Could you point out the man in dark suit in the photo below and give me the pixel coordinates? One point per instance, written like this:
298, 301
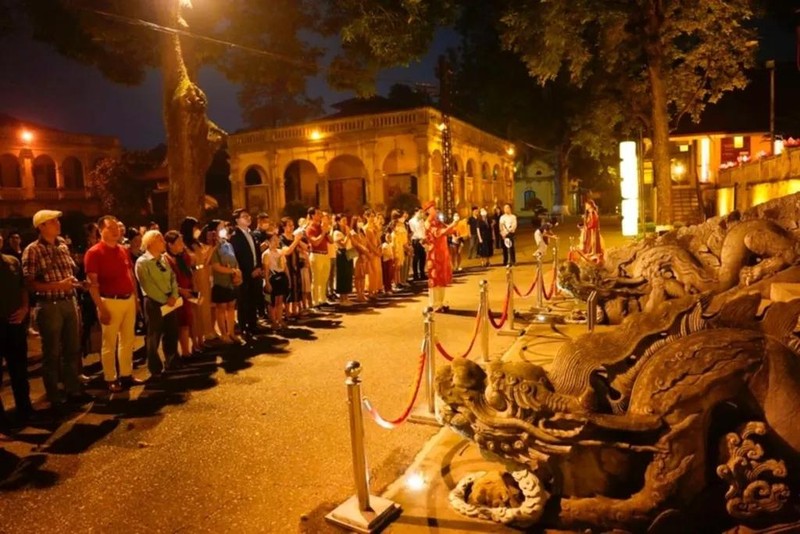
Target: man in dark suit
248, 256
260, 234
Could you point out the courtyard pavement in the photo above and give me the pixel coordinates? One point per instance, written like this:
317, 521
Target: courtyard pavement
256, 439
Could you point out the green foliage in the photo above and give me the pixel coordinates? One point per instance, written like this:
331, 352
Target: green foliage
403, 202
118, 187
295, 209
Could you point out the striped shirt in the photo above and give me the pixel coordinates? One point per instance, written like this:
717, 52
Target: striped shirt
49, 263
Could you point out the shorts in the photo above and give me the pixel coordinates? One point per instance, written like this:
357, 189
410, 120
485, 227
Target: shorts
222, 294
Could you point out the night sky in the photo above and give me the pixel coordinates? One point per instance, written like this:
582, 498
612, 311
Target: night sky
41, 86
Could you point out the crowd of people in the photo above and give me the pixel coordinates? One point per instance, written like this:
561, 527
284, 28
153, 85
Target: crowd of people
202, 287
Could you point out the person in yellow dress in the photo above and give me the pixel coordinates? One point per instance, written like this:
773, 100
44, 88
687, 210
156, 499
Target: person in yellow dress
400, 241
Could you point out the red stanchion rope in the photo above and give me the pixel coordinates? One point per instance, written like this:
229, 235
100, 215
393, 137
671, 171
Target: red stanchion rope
551, 294
533, 286
499, 325
393, 423
450, 358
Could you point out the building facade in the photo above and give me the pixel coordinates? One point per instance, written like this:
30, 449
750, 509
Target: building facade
345, 164
43, 168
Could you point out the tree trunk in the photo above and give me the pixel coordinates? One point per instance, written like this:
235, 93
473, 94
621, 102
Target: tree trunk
662, 175
192, 139
562, 191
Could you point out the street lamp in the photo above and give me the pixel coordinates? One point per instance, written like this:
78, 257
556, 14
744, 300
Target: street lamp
26, 136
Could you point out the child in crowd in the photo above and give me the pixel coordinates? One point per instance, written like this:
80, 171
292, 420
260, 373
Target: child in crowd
387, 262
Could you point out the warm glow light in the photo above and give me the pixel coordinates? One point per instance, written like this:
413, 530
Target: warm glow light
705, 159
777, 147
315, 135
678, 169
724, 201
441, 126
510, 151
629, 187
416, 482
26, 135
738, 141
684, 148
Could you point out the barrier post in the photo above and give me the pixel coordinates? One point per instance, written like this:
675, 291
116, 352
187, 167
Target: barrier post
362, 512
509, 329
591, 311
483, 316
539, 284
427, 414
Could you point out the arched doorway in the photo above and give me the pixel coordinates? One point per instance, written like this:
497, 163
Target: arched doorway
398, 169
73, 173
44, 172
347, 184
10, 174
257, 191
436, 174
301, 183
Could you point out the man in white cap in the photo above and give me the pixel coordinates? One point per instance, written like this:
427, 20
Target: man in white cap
49, 272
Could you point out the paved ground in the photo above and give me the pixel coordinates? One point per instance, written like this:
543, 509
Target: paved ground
253, 441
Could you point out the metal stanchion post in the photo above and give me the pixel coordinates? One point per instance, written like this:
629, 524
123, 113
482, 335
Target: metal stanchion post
539, 284
427, 414
509, 329
483, 316
591, 311
362, 512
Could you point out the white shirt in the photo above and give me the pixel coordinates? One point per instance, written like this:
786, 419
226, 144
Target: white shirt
417, 226
246, 232
508, 224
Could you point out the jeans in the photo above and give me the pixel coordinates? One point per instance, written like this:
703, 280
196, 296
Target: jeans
418, 263
160, 328
14, 350
509, 253
61, 347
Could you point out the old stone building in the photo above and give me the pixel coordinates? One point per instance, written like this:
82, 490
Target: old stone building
346, 163
44, 168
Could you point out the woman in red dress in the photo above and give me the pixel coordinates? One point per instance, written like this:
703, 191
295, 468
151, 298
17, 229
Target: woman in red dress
592, 242
437, 265
181, 264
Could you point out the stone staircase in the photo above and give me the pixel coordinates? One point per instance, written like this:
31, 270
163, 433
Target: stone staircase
685, 208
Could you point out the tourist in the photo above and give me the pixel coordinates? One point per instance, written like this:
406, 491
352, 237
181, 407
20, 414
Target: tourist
14, 336
372, 241
592, 241
497, 238
248, 259
539, 240
225, 290
260, 234
318, 237
13, 245
110, 275
160, 289
345, 254
456, 241
387, 262
361, 262
485, 238
288, 236
508, 230
417, 227
472, 223
276, 281
330, 222
203, 247
49, 272
401, 244
305, 266
439, 269
181, 264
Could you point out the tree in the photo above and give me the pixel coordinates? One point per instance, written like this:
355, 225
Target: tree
117, 185
124, 38
668, 58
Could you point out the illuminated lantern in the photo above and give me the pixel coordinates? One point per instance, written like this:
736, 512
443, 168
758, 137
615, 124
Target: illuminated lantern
629, 187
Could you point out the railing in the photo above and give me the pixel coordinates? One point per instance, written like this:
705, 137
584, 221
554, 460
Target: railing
43, 137
12, 193
424, 117
781, 167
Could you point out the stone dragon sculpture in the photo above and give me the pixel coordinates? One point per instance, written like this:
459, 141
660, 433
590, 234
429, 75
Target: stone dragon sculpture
720, 254
650, 418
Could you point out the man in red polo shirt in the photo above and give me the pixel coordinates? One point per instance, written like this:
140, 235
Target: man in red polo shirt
319, 237
110, 274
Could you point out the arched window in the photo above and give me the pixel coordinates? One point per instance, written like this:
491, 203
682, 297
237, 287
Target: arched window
254, 176
10, 175
73, 173
44, 172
